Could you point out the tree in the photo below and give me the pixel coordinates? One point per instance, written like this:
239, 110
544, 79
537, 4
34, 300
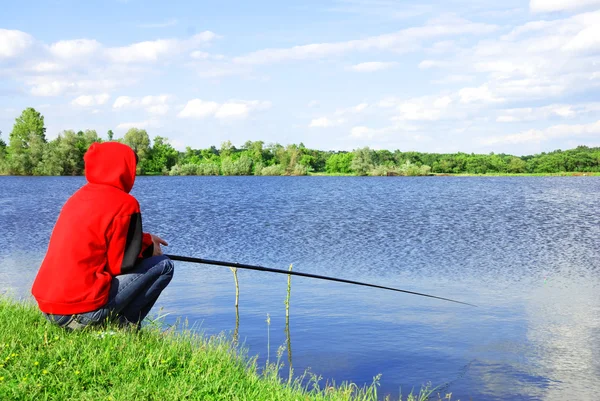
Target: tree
3, 166
339, 163
362, 162
227, 149
110, 135
139, 141
27, 140
162, 156
516, 165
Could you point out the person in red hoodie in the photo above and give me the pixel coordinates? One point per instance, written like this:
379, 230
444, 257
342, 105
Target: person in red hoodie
100, 265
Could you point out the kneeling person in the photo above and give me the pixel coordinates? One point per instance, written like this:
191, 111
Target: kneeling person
100, 265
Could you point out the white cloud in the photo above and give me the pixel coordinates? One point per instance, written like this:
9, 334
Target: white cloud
198, 108
547, 112
362, 132
402, 41
158, 105
540, 6
74, 49
479, 94
89, 100
586, 40
536, 60
426, 108
536, 135
324, 122
200, 55
359, 108
372, 66
51, 88
122, 101
152, 51
46, 66
13, 43
234, 109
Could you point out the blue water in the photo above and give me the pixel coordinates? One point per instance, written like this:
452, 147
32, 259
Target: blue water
525, 250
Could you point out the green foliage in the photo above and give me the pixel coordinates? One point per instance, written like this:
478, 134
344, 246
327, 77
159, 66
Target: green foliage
42, 361
161, 158
363, 161
110, 135
339, 163
242, 166
275, 169
138, 140
27, 140
28, 153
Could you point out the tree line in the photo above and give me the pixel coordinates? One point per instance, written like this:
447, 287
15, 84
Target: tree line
30, 153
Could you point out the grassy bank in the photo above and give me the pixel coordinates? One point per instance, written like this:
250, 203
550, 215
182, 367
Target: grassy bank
561, 174
39, 361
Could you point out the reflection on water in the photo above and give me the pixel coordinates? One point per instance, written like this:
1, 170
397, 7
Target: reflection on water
525, 250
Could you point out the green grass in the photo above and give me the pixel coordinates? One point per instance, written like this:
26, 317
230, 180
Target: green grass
561, 174
39, 361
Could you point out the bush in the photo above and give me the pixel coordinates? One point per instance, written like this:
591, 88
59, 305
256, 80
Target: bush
275, 169
299, 169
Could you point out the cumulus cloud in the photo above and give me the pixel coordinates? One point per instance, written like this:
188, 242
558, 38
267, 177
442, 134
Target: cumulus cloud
233, 109
90, 100
48, 85
564, 111
428, 108
541, 6
13, 43
362, 132
46, 66
324, 122
401, 41
478, 94
200, 55
553, 132
158, 105
372, 66
151, 51
537, 60
74, 49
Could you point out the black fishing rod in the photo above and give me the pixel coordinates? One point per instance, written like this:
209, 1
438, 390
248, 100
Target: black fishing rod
293, 273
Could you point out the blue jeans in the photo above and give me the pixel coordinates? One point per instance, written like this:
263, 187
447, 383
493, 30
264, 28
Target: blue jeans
130, 298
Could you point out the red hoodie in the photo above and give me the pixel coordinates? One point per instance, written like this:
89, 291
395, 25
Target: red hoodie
97, 236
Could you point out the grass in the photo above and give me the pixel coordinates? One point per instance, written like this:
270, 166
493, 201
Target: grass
561, 174
39, 361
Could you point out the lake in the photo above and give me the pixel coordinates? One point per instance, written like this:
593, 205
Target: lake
524, 249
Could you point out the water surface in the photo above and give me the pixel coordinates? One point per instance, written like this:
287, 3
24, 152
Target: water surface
525, 250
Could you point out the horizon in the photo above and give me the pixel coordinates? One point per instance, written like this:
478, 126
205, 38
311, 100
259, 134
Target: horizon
520, 78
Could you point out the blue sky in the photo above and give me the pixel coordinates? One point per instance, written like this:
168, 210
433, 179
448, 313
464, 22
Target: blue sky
519, 77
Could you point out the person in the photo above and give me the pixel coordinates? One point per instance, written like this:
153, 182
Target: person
100, 266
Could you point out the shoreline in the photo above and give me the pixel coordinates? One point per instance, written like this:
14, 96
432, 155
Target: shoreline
41, 361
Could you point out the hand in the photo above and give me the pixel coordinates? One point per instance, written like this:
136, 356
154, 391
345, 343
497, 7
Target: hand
157, 241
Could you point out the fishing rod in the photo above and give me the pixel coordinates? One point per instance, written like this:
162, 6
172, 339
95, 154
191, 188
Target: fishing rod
294, 273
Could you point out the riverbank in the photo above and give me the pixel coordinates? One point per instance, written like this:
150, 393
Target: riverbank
41, 361
563, 174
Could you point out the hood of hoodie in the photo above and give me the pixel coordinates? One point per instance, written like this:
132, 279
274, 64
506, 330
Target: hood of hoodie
110, 163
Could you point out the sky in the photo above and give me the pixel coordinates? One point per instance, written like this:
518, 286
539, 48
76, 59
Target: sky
517, 77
